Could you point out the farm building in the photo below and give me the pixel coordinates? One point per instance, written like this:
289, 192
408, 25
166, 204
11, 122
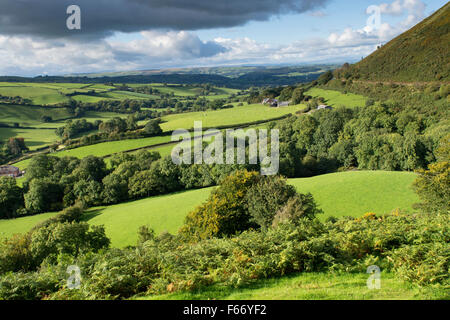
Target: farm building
324, 107
275, 103
271, 102
9, 171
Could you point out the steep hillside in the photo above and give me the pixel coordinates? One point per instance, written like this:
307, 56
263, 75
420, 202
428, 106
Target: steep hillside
418, 55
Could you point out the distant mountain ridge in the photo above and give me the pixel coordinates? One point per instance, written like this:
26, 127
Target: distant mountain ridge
226, 71
238, 77
420, 54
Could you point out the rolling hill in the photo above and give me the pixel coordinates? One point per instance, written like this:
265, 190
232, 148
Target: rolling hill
338, 194
421, 54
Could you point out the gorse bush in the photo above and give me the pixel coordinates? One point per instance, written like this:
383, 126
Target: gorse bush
224, 213
245, 200
266, 197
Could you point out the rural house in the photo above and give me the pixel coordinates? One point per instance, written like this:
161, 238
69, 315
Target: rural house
271, 102
324, 107
9, 171
275, 103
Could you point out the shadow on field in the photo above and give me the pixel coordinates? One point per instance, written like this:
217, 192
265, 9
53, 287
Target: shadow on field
91, 214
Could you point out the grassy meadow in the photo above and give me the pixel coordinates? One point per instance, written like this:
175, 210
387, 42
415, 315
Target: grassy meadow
355, 193
22, 225
313, 286
162, 213
337, 99
226, 117
34, 138
27, 116
338, 194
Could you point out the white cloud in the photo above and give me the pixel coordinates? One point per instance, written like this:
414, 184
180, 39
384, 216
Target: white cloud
413, 9
22, 55
27, 56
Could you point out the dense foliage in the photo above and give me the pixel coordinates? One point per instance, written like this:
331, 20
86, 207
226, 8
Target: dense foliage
53, 183
415, 247
376, 137
12, 148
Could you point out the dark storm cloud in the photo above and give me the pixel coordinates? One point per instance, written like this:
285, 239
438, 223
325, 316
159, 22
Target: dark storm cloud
100, 18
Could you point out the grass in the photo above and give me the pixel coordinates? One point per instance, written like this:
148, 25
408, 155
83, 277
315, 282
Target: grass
34, 138
358, 192
226, 117
38, 95
338, 194
338, 99
30, 116
163, 213
22, 225
314, 286
106, 148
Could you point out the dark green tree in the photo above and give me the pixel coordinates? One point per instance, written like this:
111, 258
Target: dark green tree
11, 198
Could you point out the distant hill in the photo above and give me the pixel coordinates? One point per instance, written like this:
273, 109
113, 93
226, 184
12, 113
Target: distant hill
227, 71
421, 54
232, 77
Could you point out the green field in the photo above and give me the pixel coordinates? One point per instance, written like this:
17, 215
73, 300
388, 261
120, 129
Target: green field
39, 95
226, 117
114, 95
358, 192
314, 286
105, 148
338, 99
163, 213
27, 116
187, 90
21, 225
54, 93
34, 138
338, 194
108, 148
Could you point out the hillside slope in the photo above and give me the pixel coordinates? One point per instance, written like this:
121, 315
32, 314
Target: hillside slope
420, 54
338, 194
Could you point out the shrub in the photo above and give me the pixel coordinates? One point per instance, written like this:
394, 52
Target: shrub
224, 213
66, 238
424, 264
266, 197
27, 286
120, 273
433, 188
301, 206
15, 254
70, 214
444, 91
153, 128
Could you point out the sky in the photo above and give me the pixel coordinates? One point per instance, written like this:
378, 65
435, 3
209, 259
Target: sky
125, 35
